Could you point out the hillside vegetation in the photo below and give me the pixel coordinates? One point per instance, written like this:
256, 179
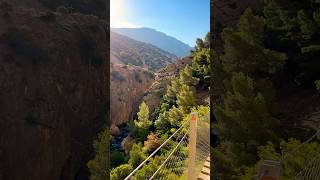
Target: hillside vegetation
148, 132
131, 52
265, 84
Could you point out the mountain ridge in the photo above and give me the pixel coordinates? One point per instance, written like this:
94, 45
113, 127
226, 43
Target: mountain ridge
125, 50
156, 38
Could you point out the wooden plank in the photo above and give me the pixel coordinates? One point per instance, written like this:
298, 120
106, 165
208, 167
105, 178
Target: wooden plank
203, 177
205, 170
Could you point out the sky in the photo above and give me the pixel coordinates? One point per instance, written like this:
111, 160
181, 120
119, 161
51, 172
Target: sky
185, 20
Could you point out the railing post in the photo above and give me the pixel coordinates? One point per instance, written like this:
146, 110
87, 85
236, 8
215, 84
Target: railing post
192, 146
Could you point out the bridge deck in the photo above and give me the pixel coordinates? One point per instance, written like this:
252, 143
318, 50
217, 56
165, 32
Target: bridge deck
205, 172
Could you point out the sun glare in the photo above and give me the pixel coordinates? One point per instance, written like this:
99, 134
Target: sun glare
119, 14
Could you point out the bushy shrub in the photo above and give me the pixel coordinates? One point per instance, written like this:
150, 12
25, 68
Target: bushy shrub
116, 158
121, 172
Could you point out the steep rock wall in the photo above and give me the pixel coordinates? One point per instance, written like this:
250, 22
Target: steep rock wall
53, 97
128, 86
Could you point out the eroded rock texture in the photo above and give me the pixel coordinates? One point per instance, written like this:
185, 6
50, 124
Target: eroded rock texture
53, 97
128, 85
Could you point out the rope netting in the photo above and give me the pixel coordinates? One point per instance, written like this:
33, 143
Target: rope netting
311, 171
170, 160
203, 143
174, 166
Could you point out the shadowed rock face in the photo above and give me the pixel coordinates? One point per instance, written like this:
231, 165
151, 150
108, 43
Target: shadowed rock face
53, 95
128, 86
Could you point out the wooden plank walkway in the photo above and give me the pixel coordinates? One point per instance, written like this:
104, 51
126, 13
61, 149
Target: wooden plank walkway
205, 172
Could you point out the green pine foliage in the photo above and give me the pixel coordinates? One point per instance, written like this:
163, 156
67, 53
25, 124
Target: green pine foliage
175, 108
143, 124
244, 50
185, 98
137, 155
292, 163
100, 164
262, 59
175, 116
244, 114
121, 172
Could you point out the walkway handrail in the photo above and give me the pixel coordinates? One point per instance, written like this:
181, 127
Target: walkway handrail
169, 155
154, 152
285, 156
311, 164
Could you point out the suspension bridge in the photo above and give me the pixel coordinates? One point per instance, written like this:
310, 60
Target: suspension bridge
185, 155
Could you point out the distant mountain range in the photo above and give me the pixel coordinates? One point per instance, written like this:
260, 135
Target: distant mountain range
124, 50
156, 38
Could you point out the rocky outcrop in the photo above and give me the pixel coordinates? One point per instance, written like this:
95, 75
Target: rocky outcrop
162, 78
127, 144
128, 86
53, 92
133, 64
114, 130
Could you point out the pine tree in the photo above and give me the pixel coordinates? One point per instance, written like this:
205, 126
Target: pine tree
172, 90
185, 98
186, 77
244, 51
244, 116
143, 124
175, 116
100, 164
199, 44
143, 116
162, 123
201, 66
207, 40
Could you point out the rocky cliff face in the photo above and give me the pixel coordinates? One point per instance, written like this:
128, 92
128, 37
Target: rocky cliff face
156, 91
53, 95
128, 86
133, 64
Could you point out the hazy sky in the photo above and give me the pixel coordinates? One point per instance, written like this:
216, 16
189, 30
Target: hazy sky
185, 20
